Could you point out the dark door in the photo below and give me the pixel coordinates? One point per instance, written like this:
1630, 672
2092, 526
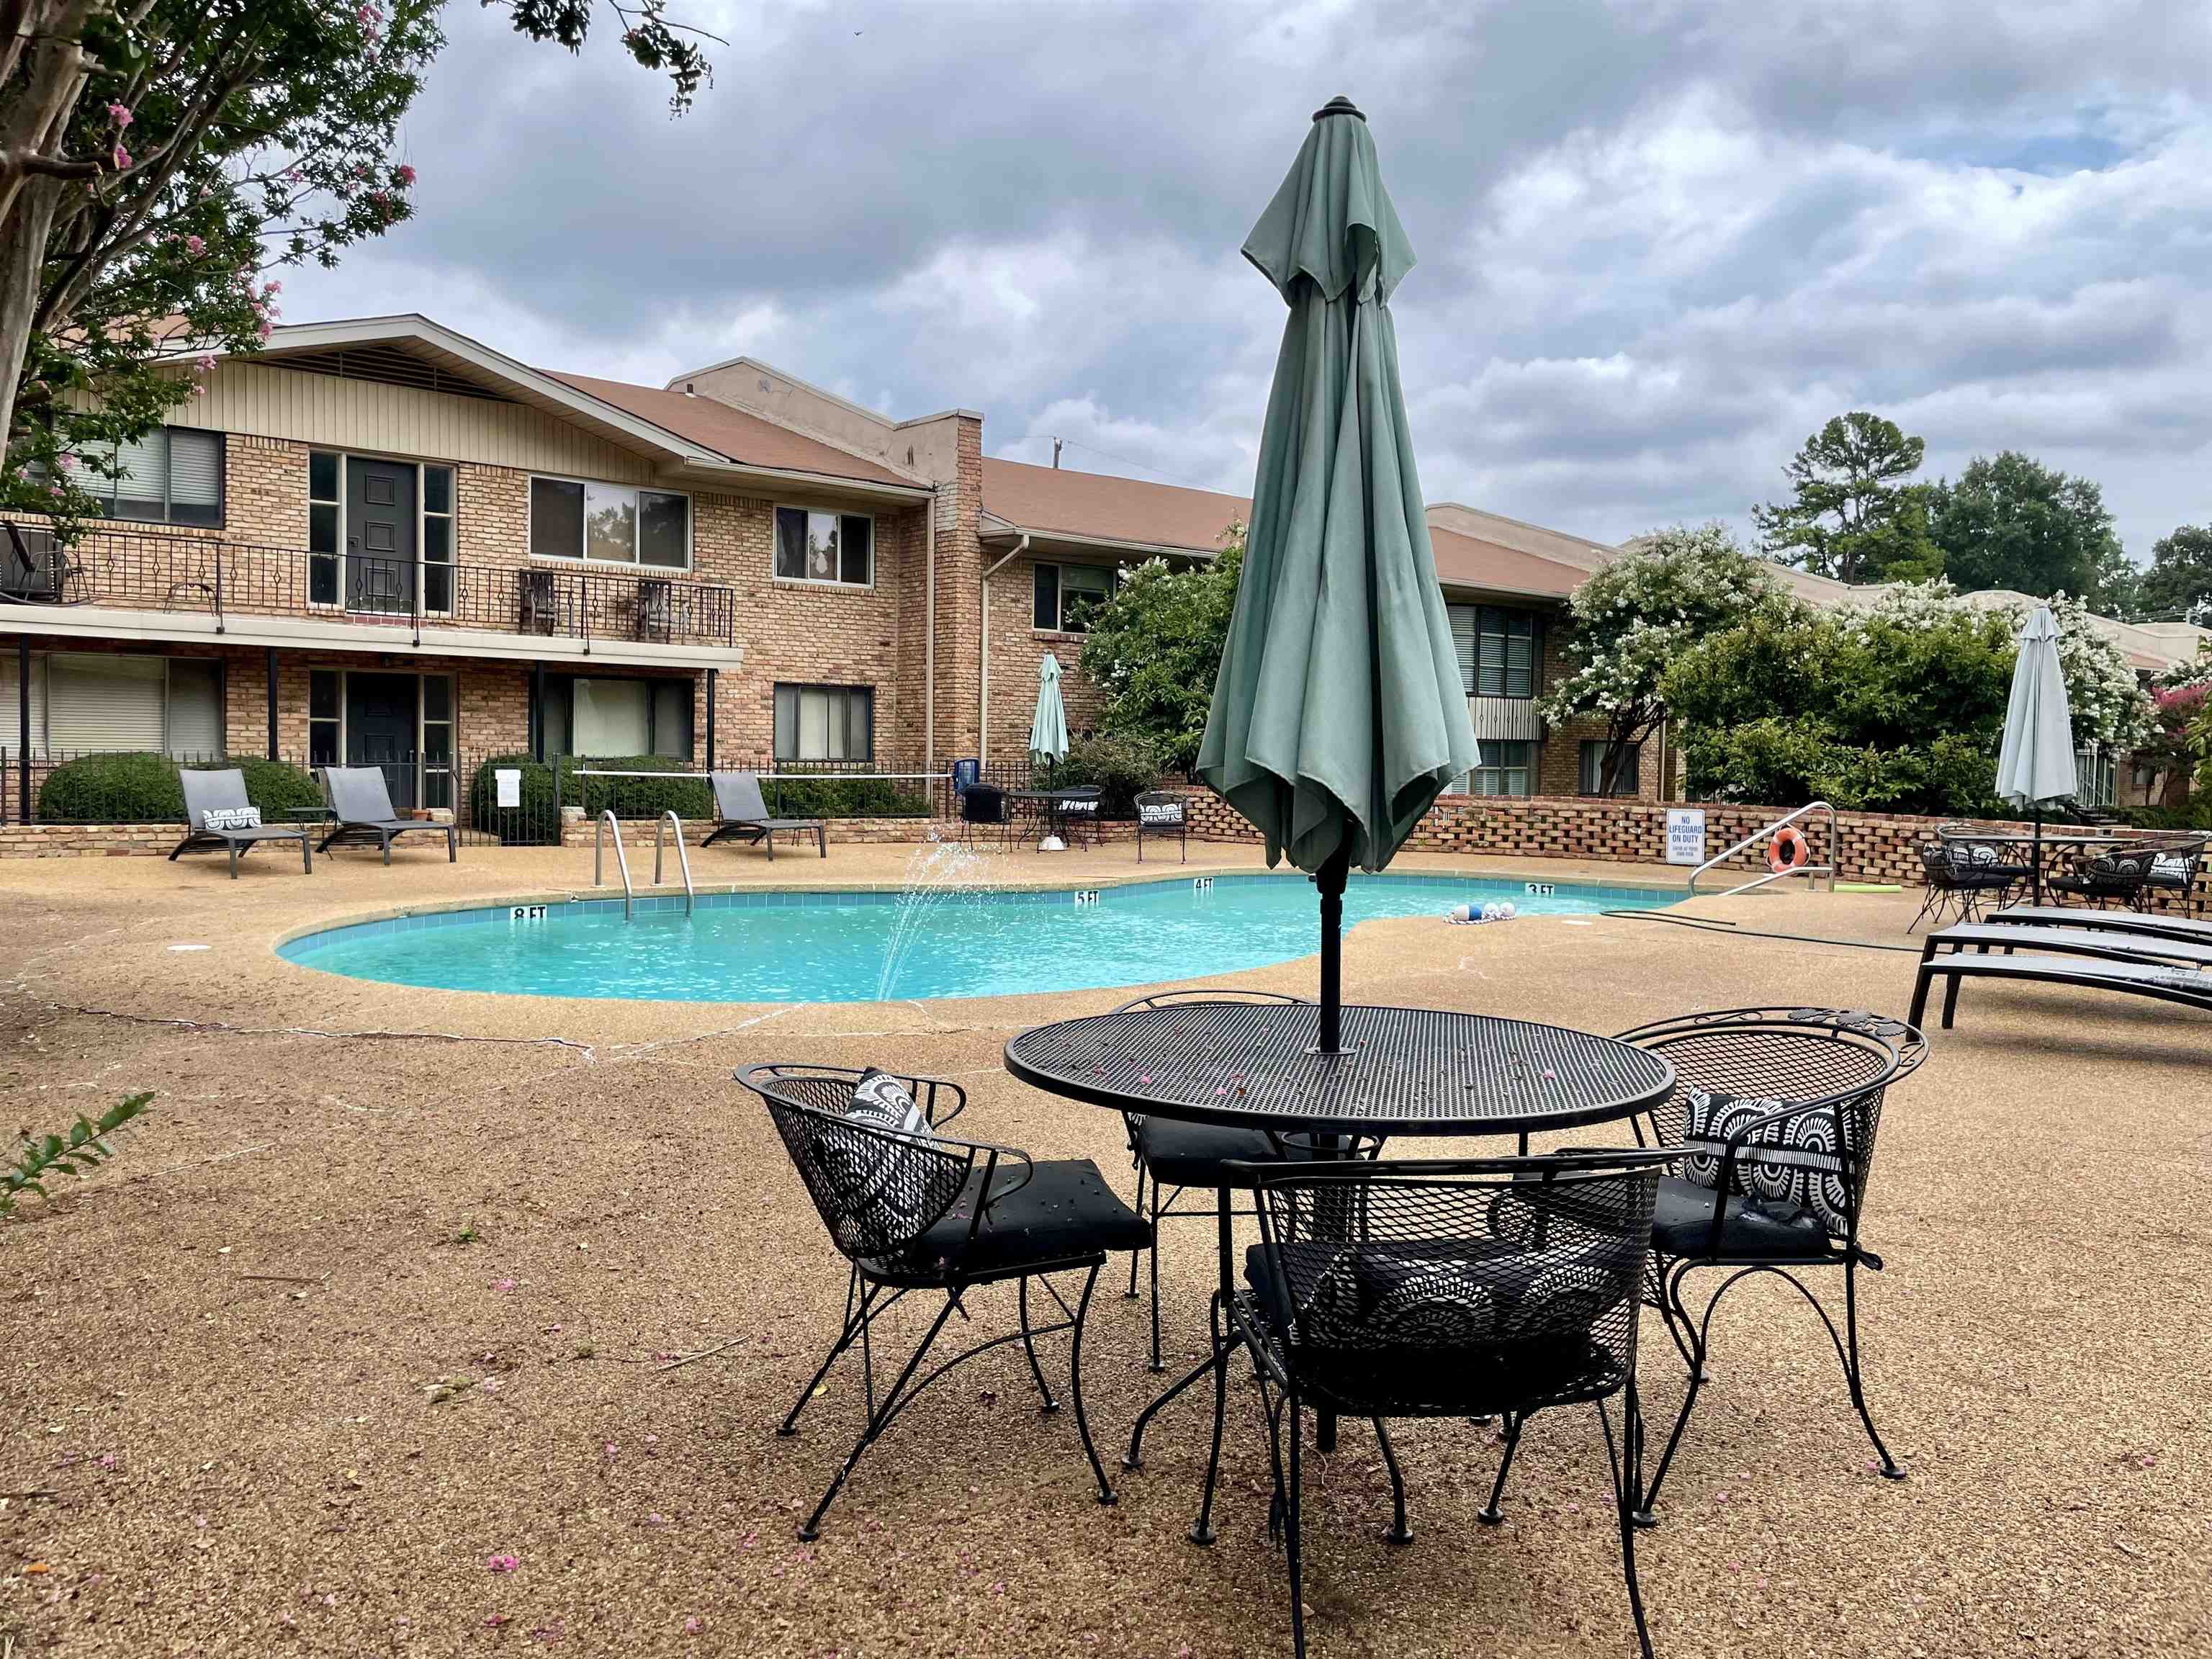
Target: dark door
379, 538
380, 712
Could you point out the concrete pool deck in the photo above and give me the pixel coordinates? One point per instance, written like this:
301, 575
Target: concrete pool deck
357, 1204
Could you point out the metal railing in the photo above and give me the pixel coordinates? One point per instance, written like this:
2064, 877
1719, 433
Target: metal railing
669, 820
1808, 870
227, 578
608, 825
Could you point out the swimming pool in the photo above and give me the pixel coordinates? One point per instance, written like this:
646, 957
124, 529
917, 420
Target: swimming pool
946, 941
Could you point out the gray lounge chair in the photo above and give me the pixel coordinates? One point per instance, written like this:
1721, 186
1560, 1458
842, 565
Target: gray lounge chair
225, 791
2155, 925
2188, 986
2064, 941
740, 813
362, 806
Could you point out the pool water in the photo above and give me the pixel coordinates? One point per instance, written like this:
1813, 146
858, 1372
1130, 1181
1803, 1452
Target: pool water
864, 946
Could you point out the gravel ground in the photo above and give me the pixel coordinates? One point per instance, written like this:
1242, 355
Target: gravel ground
356, 1312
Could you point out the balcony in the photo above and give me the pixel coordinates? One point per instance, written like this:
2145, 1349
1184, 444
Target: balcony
236, 580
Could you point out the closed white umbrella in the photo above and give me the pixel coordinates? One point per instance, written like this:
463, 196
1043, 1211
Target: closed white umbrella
2035, 764
1048, 725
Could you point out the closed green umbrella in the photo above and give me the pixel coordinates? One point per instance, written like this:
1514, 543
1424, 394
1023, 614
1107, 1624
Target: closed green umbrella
1338, 715
1048, 725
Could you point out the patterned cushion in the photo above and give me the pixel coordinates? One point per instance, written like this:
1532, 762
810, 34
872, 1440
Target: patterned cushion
1787, 1168
1162, 812
2175, 868
896, 1180
231, 818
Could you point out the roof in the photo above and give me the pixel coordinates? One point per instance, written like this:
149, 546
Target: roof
730, 432
1476, 561
1060, 504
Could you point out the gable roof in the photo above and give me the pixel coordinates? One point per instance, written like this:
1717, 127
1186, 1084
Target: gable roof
730, 432
1476, 561
1059, 504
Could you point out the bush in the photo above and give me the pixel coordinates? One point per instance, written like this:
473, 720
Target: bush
143, 788
1123, 768
842, 798
536, 823
2195, 814
690, 798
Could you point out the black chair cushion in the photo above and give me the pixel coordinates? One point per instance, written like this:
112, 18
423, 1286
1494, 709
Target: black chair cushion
1752, 1229
1192, 1154
1066, 1210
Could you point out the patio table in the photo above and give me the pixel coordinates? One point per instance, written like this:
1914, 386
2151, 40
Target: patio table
1041, 806
1408, 1072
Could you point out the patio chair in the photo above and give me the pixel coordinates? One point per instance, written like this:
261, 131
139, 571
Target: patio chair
1175, 1158
740, 813
360, 804
2155, 925
2099, 944
917, 1212
218, 816
1161, 813
1774, 1112
1076, 812
983, 805
1490, 1287
2173, 873
1964, 873
2114, 875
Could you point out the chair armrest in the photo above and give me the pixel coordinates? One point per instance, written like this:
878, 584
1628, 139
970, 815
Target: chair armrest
925, 1090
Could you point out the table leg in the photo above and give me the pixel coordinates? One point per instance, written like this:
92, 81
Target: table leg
1218, 1356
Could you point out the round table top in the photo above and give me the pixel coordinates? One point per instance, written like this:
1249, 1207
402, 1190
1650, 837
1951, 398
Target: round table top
1409, 1070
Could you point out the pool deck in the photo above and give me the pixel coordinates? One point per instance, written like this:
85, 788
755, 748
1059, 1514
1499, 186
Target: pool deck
353, 1195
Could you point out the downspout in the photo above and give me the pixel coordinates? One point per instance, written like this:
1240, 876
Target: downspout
984, 700
929, 645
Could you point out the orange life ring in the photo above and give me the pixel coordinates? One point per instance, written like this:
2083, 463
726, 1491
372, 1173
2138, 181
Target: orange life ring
1788, 851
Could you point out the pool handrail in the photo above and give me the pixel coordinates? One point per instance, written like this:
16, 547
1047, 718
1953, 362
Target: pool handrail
669, 820
1810, 871
607, 823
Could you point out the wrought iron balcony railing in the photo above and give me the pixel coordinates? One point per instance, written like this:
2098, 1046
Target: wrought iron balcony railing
236, 578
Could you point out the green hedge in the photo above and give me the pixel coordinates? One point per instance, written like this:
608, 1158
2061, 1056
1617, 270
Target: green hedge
2195, 814
143, 788
842, 797
537, 821
1122, 767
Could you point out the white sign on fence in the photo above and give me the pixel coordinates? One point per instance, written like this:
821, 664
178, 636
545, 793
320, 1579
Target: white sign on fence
508, 781
1686, 835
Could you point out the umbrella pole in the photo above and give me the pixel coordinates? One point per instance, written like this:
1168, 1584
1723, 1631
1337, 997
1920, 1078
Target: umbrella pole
1330, 879
2035, 853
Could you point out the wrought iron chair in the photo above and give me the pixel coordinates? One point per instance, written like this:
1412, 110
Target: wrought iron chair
1161, 813
1176, 1158
1965, 872
1773, 1113
984, 805
2173, 873
2114, 875
916, 1212
1488, 1287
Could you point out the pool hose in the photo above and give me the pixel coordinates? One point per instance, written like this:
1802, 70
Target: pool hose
1712, 925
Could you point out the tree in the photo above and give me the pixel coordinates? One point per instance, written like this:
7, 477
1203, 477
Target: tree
1632, 618
1154, 650
1853, 515
2012, 522
2178, 583
158, 157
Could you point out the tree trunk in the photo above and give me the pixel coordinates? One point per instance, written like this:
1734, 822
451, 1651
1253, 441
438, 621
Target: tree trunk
23, 257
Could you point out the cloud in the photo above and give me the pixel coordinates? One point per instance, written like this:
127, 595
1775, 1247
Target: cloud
1660, 243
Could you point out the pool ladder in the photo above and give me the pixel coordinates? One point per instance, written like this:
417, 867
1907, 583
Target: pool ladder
608, 825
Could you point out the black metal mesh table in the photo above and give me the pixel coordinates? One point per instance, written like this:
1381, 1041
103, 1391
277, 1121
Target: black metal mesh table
1410, 1071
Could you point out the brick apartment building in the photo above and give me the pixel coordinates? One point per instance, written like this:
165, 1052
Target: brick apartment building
380, 542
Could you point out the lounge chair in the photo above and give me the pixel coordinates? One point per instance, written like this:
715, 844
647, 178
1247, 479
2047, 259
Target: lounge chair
2063, 941
362, 807
2185, 986
741, 812
217, 815
2102, 921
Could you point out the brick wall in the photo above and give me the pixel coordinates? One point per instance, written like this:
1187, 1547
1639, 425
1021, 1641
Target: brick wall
1017, 647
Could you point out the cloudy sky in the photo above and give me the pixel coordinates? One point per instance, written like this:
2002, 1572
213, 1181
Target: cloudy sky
1660, 241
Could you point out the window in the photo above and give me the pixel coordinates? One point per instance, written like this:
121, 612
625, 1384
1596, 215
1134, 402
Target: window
438, 541
610, 524
1067, 594
1499, 649
325, 733
325, 518
173, 475
839, 548
610, 719
1592, 769
825, 723
437, 738
87, 702
1505, 768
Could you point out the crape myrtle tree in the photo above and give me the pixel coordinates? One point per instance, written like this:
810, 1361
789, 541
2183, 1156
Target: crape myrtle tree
1853, 514
1154, 650
1633, 617
159, 159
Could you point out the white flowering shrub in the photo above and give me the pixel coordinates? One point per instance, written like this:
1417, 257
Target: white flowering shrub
1633, 618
